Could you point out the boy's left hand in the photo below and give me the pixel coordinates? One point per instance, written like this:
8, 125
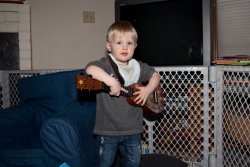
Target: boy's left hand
141, 95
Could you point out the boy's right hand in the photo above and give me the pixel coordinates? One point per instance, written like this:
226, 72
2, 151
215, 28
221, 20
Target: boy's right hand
99, 74
115, 88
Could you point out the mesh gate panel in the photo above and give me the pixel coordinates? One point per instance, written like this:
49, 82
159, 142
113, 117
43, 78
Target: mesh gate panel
2, 90
180, 132
13, 78
1, 97
8, 86
236, 118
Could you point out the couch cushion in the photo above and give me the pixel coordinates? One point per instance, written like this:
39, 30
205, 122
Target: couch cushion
52, 91
18, 128
69, 136
23, 158
55, 86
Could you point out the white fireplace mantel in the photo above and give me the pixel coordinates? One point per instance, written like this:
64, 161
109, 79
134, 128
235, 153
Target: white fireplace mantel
15, 18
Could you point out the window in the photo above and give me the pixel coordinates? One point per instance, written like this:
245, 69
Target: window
233, 28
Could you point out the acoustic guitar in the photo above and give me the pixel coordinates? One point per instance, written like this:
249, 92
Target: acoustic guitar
153, 105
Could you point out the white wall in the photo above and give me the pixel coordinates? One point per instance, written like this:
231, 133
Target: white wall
60, 39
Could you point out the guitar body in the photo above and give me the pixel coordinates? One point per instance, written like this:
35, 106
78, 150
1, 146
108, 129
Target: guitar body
153, 105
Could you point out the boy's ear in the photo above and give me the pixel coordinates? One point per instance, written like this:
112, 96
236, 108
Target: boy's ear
108, 46
135, 45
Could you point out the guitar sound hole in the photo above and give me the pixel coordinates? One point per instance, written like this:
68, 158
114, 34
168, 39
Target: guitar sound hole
130, 91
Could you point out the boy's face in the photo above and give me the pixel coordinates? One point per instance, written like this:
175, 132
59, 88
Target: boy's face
122, 46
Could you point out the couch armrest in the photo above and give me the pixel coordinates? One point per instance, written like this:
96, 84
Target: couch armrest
68, 136
18, 127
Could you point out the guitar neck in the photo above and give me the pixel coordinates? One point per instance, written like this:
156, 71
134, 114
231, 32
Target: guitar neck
88, 83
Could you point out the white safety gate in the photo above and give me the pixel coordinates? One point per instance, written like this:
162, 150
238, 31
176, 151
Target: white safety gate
233, 142
186, 128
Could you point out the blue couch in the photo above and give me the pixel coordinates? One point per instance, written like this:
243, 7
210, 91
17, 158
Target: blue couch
51, 125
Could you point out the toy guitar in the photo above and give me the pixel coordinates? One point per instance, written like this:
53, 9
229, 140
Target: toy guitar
154, 103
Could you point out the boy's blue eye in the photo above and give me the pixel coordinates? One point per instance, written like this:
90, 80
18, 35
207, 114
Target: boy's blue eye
128, 43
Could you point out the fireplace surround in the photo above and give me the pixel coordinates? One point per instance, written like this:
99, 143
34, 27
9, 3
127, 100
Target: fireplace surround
15, 18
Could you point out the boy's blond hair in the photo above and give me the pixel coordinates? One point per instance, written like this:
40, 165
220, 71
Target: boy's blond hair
121, 27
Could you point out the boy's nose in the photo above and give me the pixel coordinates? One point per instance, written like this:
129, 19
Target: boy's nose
125, 46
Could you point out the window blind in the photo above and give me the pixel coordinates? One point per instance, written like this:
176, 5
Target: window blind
233, 20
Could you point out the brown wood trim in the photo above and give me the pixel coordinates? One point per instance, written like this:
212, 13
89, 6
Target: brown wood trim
214, 31
12, 1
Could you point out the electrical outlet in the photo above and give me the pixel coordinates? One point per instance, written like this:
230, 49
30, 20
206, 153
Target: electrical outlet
88, 16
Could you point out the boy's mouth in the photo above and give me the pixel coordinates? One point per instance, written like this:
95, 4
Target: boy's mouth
124, 53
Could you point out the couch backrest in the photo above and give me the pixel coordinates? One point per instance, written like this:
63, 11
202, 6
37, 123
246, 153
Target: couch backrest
53, 91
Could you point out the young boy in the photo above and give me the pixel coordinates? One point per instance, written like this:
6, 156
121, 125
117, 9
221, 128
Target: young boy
118, 124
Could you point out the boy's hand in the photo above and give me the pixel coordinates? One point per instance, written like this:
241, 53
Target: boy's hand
115, 88
141, 94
